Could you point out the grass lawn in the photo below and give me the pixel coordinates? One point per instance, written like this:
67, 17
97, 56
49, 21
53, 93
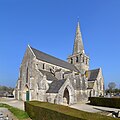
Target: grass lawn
20, 114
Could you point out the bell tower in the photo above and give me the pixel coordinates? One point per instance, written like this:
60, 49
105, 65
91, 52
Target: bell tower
78, 57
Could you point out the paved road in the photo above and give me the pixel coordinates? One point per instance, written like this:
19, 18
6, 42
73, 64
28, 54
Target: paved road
91, 108
13, 102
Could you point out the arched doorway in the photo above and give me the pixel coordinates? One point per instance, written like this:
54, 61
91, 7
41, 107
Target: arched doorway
26, 93
66, 98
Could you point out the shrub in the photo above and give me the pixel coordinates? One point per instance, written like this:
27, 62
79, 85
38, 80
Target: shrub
106, 102
48, 111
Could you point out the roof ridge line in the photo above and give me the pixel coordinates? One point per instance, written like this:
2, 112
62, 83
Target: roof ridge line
31, 50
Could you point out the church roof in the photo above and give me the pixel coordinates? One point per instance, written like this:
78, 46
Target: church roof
93, 74
49, 75
53, 60
55, 86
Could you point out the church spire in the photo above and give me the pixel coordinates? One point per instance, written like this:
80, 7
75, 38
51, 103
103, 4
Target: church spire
78, 44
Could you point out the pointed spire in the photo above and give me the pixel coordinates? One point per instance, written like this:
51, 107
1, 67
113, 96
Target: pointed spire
78, 44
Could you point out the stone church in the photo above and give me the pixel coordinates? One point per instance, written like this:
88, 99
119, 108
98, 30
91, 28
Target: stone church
46, 78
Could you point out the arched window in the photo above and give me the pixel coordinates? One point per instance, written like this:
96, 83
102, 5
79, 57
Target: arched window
83, 59
86, 61
43, 65
63, 76
27, 75
71, 61
50, 70
77, 59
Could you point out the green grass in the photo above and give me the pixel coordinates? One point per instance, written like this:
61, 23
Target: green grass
20, 114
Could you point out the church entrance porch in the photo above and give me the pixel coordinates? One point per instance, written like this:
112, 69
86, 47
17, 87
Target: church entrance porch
66, 94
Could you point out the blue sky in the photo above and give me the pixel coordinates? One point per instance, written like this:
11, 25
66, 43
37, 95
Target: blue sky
50, 25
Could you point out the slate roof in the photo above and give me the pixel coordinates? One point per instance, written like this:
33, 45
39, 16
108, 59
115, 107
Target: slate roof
53, 60
55, 86
92, 74
49, 75
67, 72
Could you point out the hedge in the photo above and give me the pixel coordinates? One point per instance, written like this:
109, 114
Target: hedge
48, 111
106, 102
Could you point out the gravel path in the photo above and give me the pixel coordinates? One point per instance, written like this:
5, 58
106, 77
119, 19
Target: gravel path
6, 112
13, 102
93, 109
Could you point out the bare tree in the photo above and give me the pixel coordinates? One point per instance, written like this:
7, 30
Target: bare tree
111, 86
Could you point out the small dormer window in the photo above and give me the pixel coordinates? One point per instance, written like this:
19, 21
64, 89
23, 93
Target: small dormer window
77, 59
